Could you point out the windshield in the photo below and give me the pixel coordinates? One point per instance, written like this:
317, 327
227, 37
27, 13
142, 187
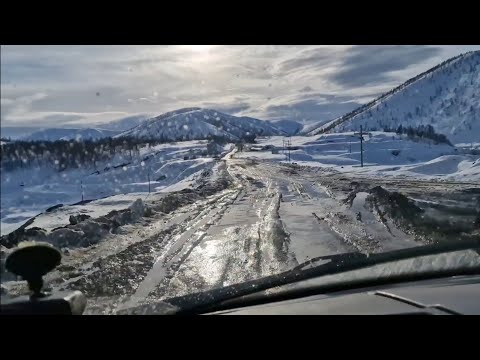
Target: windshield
164, 171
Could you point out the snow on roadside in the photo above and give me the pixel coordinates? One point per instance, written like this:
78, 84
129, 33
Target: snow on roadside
60, 217
385, 154
29, 192
82, 225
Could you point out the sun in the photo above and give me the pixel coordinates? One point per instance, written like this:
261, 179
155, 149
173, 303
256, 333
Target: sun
199, 48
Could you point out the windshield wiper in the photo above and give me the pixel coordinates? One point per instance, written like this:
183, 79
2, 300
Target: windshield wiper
198, 302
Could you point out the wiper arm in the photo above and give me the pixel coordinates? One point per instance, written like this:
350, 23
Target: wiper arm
196, 303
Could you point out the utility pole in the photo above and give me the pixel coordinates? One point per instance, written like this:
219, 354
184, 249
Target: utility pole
149, 179
289, 146
360, 135
81, 183
361, 146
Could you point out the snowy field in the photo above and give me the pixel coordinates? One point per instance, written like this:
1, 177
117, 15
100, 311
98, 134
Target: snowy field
175, 166
385, 155
246, 216
170, 167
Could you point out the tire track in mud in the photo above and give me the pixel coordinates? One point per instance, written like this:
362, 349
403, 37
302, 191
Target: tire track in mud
269, 253
165, 288
199, 217
116, 276
361, 240
245, 249
366, 227
373, 233
179, 248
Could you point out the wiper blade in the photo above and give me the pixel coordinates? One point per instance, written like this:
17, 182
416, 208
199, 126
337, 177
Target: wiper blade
335, 258
198, 302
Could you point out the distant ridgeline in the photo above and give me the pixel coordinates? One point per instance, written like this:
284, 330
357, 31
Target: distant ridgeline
65, 154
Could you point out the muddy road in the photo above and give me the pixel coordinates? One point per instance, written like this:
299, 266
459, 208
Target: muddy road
262, 219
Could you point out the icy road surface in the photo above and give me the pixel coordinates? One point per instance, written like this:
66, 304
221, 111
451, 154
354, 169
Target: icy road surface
268, 219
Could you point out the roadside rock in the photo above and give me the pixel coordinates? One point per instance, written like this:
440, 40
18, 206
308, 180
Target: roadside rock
11, 240
75, 219
50, 209
65, 237
137, 208
35, 233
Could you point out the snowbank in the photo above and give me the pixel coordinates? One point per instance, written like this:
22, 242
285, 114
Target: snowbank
44, 187
384, 154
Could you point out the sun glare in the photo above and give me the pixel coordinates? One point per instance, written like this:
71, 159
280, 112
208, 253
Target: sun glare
199, 48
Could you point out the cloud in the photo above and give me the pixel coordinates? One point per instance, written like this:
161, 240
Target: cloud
38, 82
308, 110
6, 101
305, 107
232, 109
61, 119
365, 64
306, 89
310, 58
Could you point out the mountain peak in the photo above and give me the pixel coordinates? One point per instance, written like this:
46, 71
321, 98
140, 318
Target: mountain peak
196, 123
447, 97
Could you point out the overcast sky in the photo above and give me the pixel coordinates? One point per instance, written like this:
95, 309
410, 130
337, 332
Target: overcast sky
70, 86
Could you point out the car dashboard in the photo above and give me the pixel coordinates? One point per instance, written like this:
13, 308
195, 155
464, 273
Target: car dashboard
449, 296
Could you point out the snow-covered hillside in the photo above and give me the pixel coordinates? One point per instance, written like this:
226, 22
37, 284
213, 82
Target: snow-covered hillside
385, 155
312, 129
54, 134
124, 124
290, 127
446, 97
196, 123
30, 190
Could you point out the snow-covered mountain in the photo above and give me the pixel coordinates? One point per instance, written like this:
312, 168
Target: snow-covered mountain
197, 123
447, 97
54, 134
290, 127
312, 128
126, 123
17, 132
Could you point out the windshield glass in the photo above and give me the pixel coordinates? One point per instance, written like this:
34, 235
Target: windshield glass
162, 171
